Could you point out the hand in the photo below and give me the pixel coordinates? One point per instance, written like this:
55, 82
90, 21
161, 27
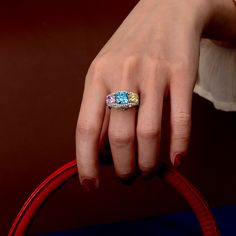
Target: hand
154, 53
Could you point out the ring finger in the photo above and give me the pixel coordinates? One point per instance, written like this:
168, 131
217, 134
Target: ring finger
121, 134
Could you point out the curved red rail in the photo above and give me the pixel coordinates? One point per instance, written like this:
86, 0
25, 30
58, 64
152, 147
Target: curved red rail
66, 172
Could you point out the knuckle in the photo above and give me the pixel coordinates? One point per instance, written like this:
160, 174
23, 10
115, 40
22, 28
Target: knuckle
98, 67
119, 138
182, 119
180, 138
131, 60
180, 68
129, 64
85, 130
181, 126
98, 63
148, 133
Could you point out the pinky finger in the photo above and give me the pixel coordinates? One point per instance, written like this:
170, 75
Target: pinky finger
181, 103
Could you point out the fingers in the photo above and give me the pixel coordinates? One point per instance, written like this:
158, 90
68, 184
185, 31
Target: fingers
181, 100
149, 126
121, 134
122, 124
103, 136
88, 131
95, 120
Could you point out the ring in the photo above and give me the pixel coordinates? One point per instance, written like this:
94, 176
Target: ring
122, 100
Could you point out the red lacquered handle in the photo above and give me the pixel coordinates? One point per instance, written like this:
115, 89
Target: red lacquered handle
66, 172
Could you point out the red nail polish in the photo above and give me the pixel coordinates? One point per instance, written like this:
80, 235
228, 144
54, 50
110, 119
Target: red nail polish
147, 175
89, 185
178, 159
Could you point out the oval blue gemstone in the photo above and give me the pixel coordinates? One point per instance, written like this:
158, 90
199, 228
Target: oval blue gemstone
122, 97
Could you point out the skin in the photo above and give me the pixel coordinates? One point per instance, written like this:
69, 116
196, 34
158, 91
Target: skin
155, 53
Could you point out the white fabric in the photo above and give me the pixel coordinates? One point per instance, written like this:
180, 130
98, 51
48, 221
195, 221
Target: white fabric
217, 75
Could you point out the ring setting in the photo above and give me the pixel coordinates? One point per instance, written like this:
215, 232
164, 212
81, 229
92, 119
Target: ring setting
122, 100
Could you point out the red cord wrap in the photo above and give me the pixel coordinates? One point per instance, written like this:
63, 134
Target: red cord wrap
66, 172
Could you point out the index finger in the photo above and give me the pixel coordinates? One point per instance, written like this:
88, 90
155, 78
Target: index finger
88, 131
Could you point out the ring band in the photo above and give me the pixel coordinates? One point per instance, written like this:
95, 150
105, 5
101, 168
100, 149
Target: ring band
122, 100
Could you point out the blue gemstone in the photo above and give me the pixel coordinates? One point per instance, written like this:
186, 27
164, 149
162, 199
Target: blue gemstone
122, 97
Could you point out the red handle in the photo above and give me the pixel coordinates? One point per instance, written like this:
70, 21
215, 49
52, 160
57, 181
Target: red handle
66, 172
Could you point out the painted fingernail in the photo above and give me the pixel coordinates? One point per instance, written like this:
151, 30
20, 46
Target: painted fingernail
178, 159
89, 185
129, 180
147, 175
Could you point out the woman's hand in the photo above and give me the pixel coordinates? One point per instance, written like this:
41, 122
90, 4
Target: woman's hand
154, 53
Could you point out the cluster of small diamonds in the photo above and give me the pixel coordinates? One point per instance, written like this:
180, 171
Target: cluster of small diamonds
122, 100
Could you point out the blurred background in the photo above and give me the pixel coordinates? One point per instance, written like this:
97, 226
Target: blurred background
46, 48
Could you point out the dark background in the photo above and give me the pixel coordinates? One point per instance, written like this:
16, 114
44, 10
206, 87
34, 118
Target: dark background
46, 48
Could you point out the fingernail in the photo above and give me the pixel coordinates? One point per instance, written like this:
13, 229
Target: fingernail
178, 159
129, 180
89, 185
147, 175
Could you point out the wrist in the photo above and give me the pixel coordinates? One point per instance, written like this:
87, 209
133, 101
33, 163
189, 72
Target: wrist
202, 11
221, 23
214, 19
193, 13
